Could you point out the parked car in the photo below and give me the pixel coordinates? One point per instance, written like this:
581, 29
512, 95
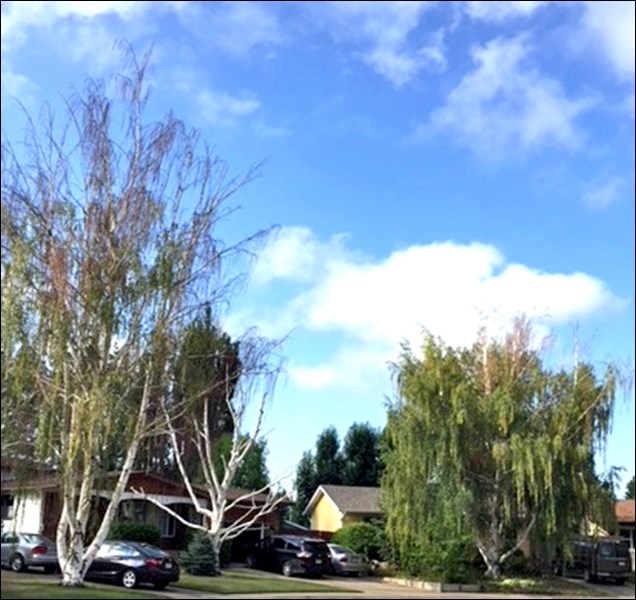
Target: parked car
603, 558
21, 551
346, 562
291, 555
132, 563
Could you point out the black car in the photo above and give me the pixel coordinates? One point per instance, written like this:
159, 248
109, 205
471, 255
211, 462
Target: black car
291, 555
132, 563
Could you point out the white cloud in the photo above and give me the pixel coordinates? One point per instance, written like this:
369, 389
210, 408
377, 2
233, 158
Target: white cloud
611, 27
18, 16
491, 10
602, 194
447, 288
295, 254
221, 108
505, 103
383, 30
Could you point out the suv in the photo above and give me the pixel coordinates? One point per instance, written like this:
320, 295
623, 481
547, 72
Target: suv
603, 558
291, 555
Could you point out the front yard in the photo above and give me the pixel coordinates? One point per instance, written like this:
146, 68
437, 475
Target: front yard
35, 585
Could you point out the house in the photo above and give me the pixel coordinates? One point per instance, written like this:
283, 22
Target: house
35, 506
334, 506
624, 511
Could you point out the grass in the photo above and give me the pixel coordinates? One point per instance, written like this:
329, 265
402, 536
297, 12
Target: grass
552, 586
29, 585
232, 582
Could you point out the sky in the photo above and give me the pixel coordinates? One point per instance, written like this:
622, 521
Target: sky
433, 165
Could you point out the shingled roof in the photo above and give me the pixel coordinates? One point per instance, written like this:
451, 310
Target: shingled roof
624, 511
349, 499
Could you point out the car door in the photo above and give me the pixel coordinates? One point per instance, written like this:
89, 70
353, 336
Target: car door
103, 567
9, 543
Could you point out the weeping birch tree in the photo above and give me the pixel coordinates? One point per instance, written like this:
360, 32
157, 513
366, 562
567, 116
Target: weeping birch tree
109, 243
488, 442
193, 422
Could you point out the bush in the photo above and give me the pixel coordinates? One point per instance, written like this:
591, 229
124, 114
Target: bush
449, 561
200, 559
518, 565
136, 532
363, 538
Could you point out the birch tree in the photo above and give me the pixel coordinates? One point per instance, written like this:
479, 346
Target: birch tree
246, 399
109, 242
487, 441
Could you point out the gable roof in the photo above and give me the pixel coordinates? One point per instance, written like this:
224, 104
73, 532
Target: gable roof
624, 510
348, 499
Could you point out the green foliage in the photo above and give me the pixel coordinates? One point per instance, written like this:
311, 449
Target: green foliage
361, 456
363, 538
629, 490
136, 532
449, 561
487, 442
252, 473
201, 558
328, 459
305, 486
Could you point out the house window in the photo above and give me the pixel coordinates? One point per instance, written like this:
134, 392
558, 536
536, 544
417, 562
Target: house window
167, 525
627, 534
7, 507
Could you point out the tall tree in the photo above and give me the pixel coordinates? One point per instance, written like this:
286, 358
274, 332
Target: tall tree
361, 456
250, 391
304, 487
328, 459
252, 473
629, 490
109, 243
490, 431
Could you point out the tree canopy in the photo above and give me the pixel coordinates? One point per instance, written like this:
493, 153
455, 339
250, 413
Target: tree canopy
629, 490
487, 440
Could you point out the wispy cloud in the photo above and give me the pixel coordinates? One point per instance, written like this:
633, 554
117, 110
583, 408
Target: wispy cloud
610, 31
505, 103
602, 194
495, 11
221, 108
382, 32
375, 304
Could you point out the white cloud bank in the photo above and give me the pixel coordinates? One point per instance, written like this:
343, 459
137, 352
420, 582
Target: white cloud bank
445, 287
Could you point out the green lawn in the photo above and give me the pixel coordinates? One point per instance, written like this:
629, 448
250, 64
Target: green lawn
232, 582
549, 586
32, 585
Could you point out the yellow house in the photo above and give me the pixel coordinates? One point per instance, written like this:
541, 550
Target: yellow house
334, 506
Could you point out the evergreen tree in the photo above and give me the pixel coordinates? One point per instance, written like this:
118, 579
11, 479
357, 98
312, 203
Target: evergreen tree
361, 456
305, 486
328, 460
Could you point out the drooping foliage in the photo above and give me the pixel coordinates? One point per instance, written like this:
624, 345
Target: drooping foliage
109, 246
488, 441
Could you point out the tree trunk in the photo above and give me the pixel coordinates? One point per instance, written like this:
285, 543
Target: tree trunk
216, 544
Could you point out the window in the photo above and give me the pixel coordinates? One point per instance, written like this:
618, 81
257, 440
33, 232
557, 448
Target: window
168, 525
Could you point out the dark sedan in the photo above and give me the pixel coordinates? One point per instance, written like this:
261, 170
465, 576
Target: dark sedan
132, 563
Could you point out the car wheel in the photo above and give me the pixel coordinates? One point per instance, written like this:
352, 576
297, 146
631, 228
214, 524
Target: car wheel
50, 569
129, 578
250, 561
620, 581
587, 576
288, 569
17, 563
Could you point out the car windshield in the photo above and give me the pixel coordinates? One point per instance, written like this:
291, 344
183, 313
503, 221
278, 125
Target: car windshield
318, 547
612, 550
339, 549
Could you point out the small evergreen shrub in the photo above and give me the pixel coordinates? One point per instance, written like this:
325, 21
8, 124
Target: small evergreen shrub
363, 538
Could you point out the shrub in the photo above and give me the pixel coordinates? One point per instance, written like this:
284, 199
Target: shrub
449, 561
363, 538
200, 559
136, 532
518, 565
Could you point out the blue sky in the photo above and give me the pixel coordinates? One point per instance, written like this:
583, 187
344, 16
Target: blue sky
429, 164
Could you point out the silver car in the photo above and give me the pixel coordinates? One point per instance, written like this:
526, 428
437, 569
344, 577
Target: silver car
23, 550
347, 562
